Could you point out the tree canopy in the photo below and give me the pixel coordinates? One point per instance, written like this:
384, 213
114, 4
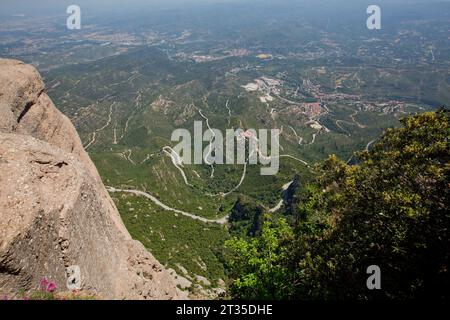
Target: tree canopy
389, 210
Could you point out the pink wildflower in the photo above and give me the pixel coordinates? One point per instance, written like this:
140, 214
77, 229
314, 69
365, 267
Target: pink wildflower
47, 286
44, 284
51, 287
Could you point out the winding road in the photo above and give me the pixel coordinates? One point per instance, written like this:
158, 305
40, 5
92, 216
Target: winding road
177, 162
369, 144
213, 136
220, 221
108, 122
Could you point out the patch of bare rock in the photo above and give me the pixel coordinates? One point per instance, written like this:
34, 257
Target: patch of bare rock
54, 210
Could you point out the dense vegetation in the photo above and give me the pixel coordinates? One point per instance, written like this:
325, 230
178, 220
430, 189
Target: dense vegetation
176, 241
390, 210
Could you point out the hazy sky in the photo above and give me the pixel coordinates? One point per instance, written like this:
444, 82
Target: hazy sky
58, 7
39, 6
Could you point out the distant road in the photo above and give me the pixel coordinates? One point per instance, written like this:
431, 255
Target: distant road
369, 144
220, 221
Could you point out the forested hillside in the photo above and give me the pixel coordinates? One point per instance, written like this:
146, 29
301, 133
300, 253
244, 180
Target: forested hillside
389, 210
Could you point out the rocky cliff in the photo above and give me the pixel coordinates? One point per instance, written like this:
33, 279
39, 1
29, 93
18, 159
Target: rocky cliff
54, 210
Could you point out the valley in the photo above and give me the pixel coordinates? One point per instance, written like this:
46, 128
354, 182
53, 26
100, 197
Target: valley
330, 88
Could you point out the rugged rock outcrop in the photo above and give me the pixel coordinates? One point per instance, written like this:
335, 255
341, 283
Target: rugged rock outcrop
54, 210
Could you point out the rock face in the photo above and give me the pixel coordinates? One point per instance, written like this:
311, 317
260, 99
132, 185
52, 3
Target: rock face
55, 212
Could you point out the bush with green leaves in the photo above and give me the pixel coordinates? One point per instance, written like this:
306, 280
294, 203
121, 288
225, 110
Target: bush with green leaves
259, 263
390, 210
